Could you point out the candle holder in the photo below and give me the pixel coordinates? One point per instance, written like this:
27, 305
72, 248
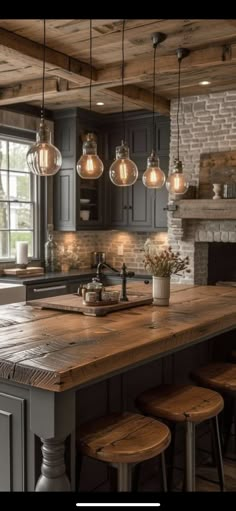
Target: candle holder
217, 190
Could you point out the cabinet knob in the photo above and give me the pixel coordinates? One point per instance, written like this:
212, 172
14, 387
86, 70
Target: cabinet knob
130, 207
125, 207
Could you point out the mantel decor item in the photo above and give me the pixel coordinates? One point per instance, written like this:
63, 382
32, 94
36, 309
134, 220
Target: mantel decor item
43, 158
162, 264
217, 190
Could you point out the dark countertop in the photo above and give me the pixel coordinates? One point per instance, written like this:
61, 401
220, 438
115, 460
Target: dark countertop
70, 275
49, 277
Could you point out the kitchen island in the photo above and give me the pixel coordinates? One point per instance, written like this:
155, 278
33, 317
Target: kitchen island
47, 355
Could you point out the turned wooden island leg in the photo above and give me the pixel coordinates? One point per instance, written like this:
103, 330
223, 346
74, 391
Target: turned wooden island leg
52, 418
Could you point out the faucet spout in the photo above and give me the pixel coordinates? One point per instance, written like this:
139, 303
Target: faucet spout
123, 274
100, 266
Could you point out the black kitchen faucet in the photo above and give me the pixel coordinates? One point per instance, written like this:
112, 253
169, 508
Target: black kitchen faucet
123, 274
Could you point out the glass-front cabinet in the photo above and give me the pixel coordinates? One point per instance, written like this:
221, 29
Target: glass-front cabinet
77, 202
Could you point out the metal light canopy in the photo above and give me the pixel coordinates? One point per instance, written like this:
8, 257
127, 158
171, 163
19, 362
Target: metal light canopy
154, 177
89, 166
177, 182
123, 171
43, 158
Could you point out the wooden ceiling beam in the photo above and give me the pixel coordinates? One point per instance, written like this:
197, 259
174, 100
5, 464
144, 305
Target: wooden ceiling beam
141, 97
30, 91
138, 70
13, 46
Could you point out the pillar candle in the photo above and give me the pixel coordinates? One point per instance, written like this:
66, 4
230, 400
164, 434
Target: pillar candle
22, 252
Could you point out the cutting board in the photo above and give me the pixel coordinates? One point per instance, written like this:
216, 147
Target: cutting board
74, 303
24, 272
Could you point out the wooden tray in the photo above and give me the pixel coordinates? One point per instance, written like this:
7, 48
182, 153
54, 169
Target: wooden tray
23, 272
74, 303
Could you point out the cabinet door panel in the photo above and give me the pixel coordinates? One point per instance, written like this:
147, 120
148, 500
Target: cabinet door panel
64, 203
140, 205
12, 443
118, 205
139, 140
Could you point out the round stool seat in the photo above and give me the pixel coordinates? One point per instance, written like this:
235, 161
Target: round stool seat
123, 438
217, 375
180, 403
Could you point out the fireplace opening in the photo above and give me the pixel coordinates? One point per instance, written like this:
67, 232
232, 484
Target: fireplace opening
221, 262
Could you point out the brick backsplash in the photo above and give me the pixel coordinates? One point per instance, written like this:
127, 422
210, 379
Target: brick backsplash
207, 123
78, 247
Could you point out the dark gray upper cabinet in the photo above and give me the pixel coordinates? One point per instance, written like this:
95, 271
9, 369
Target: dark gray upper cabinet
136, 207
132, 208
71, 193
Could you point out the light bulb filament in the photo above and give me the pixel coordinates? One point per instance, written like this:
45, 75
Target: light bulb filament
89, 164
123, 171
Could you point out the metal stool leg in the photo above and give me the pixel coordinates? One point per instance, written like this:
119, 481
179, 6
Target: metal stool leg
124, 472
218, 452
171, 456
136, 477
163, 472
190, 456
78, 467
228, 419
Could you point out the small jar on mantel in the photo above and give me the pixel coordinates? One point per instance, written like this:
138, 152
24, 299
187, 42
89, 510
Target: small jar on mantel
217, 190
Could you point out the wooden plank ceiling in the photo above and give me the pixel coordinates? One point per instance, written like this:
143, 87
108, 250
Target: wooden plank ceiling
212, 45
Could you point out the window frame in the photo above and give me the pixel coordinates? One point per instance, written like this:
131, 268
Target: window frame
28, 137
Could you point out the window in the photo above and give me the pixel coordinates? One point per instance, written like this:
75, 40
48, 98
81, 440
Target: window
18, 192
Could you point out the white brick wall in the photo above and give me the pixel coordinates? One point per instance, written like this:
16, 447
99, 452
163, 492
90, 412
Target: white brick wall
207, 124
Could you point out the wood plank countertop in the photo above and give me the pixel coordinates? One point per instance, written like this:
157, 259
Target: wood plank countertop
57, 351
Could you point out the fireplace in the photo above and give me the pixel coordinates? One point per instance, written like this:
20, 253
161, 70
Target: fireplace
221, 262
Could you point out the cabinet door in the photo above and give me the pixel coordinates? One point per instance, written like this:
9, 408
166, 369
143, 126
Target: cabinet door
64, 200
12, 443
140, 205
118, 205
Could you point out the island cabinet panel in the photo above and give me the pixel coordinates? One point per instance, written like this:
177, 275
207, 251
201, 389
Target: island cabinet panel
12, 443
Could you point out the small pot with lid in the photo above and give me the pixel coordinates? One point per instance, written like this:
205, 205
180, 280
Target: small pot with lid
96, 258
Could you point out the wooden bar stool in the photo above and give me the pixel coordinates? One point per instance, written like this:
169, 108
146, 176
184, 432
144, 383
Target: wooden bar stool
221, 376
123, 440
190, 405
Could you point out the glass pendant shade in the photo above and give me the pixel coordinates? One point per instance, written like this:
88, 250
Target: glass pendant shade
153, 176
123, 171
177, 183
43, 158
89, 166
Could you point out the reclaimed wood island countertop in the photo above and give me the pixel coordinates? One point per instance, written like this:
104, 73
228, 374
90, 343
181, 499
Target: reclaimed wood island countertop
57, 351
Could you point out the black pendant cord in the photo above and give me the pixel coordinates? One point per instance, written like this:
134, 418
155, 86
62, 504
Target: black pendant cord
90, 61
44, 64
178, 107
122, 79
153, 99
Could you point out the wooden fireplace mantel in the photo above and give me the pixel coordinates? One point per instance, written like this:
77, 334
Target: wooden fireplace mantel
206, 209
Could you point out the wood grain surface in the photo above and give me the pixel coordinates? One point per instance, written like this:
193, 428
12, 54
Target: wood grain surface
59, 351
74, 303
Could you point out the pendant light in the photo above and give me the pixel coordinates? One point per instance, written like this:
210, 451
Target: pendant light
123, 171
177, 182
43, 158
89, 166
153, 176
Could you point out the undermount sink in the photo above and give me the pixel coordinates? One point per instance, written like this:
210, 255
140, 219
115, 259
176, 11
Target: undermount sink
11, 293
